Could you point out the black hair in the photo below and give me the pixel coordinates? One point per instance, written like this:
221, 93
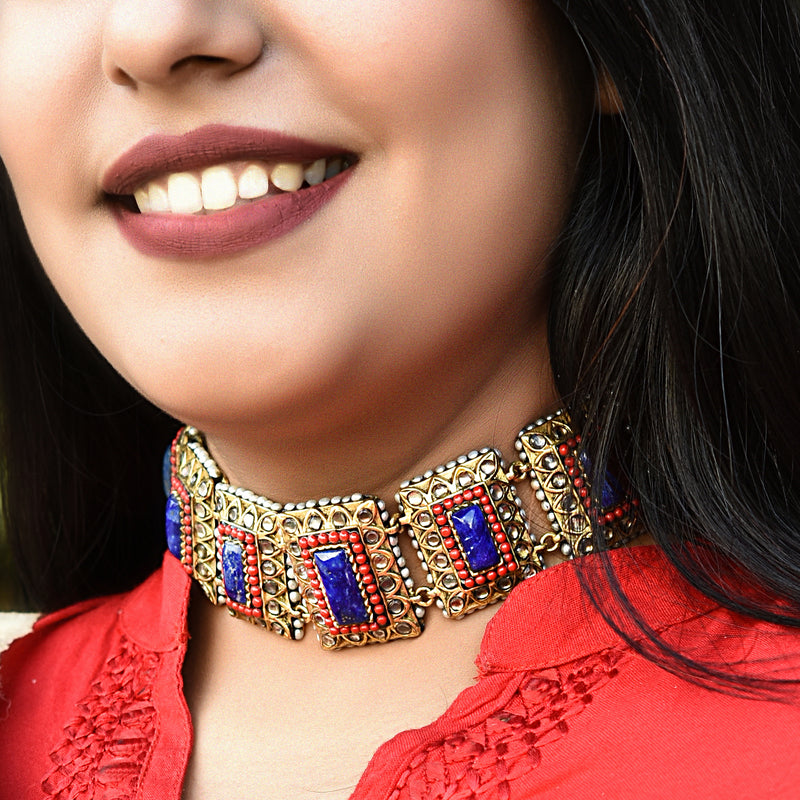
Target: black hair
674, 332
674, 328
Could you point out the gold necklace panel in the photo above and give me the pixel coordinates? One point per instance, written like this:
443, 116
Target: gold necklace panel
335, 564
469, 529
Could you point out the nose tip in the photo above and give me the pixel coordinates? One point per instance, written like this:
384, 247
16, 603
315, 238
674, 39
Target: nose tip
153, 42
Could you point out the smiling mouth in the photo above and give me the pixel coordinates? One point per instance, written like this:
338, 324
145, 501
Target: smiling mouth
228, 185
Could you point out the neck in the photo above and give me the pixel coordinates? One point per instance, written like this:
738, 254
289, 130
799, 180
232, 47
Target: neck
370, 438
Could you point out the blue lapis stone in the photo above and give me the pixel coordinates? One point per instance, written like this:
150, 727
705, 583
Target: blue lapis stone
476, 540
173, 525
341, 587
610, 491
166, 471
233, 571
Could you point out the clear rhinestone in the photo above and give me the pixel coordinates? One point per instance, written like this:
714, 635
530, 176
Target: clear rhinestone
319, 620
425, 519
269, 568
568, 503
414, 498
433, 540
380, 561
439, 490
482, 592
549, 461
442, 561
205, 572
290, 523
387, 583
315, 522
273, 607
328, 640
300, 569
449, 582
372, 537
365, 515
339, 519
202, 489
232, 514
504, 584
506, 512
464, 479
268, 523
201, 551
559, 480
355, 638
497, 491
379, 634
294, 549
456, 605
523, 551
271, 587
576, 523
396, 607
538, 441
404, 628
277, 628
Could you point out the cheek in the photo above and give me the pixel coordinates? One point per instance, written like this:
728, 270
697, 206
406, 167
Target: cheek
47, 80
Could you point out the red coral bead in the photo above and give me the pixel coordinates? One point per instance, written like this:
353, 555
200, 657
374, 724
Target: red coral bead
358, 547
480, 579
468, 494
512, 567
323, 538
469, 583
448, 503
437, 509
313, 541
478, 491
490, 576
382, 620
354, 537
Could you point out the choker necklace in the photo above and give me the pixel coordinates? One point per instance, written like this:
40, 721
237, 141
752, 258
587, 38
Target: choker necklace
336, 562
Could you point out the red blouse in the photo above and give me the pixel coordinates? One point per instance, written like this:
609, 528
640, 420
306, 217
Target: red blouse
92, 704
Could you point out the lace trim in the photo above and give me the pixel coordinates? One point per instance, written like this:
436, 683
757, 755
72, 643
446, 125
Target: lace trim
486, 760
109, 740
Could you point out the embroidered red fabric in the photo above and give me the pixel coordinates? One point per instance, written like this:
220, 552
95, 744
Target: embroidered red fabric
105, 745
487, 759
562, 708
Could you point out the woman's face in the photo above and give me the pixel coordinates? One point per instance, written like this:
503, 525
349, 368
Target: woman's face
416, 267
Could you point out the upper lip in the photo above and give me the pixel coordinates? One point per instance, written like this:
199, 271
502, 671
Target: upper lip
158, 154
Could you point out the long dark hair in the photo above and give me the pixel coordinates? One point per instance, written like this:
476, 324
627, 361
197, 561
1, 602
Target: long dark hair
674, 329
674, 326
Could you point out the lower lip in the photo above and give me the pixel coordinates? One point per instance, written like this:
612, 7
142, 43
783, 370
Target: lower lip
229, 231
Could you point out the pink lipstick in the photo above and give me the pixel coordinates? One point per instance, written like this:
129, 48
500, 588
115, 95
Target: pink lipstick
221, 232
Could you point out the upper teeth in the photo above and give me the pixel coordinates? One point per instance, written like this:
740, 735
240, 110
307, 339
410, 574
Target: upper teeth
223, 185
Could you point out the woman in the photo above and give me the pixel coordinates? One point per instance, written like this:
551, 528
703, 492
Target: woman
349, 243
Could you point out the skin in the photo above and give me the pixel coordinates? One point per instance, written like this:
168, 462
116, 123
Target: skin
402, 325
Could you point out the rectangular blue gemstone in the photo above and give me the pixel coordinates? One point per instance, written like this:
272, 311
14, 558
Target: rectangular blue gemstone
610, 492
173, 525
341, 587
233, 571
476, 540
